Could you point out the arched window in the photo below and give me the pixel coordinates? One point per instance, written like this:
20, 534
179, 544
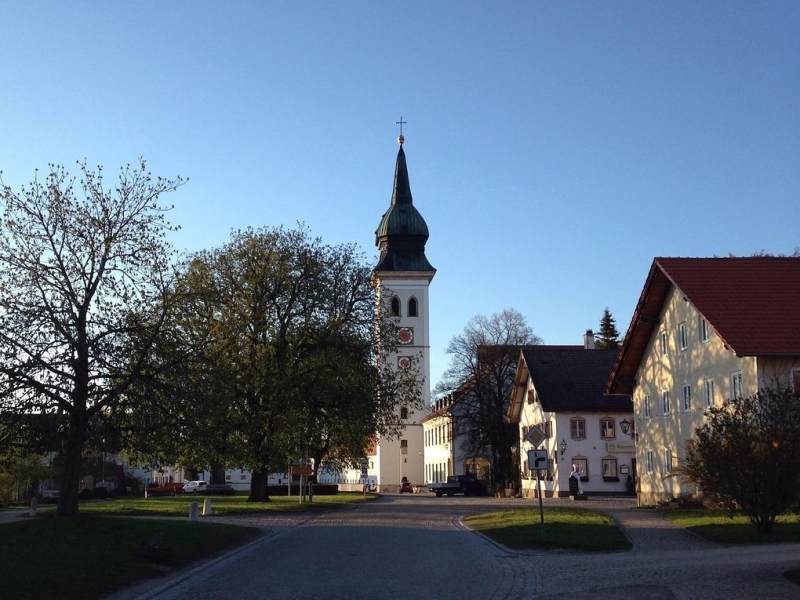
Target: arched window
412, 307
395, 306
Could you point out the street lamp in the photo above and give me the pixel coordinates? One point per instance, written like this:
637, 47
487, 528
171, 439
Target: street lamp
626, 427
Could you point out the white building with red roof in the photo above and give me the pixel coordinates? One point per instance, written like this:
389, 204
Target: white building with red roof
704, 330
560, 391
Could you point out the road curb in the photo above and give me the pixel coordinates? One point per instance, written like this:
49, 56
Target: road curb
181, 577
458, 522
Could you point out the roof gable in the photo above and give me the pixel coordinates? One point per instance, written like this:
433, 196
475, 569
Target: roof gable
752, 303
572, 378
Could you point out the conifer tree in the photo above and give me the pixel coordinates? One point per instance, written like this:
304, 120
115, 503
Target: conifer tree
608, 336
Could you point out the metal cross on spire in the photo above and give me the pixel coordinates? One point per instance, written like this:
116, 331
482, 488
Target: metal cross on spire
400, 138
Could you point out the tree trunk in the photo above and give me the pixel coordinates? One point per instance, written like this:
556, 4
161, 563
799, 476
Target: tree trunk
318, 456
191, 473
217, 474
73, 449
258, 487
71, 475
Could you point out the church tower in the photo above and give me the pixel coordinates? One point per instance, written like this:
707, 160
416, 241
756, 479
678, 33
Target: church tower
402, 277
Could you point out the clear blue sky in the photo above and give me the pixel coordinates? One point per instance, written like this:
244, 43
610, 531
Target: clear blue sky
554, 147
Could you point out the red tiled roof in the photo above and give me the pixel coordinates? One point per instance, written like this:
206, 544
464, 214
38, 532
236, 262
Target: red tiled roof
753, 304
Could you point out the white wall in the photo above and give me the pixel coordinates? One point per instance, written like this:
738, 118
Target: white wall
593, 448
392, 463
439, 460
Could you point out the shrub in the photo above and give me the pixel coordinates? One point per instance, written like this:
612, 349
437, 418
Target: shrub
746, 457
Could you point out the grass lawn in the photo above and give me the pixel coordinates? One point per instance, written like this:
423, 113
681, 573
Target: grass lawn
223, 505
574, 528
90, 556
715, 525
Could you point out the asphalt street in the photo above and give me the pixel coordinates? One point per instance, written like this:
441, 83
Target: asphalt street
415, 547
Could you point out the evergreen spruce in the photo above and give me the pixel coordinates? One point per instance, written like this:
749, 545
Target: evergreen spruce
608, 336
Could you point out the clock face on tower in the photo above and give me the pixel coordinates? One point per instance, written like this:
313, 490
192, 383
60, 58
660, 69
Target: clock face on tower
405, 335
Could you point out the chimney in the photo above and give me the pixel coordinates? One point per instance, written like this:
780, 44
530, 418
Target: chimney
588, 340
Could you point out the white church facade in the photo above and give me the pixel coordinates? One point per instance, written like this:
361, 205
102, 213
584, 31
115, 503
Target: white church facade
401, 278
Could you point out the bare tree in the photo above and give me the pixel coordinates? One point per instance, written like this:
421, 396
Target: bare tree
83, 267
483, 363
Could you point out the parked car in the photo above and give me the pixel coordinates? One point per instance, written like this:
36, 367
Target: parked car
49, 495
213, 489
195, 487
458, 484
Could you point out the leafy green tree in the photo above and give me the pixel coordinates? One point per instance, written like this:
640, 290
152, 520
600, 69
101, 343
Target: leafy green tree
608, 336
83, 267
746, 456
276, 359
21, 474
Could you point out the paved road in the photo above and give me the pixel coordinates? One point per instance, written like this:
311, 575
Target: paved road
413, 547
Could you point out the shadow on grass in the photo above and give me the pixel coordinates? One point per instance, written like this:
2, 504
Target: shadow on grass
90, 556
573, 528
591, 538
220, 505
745, 533
718, 526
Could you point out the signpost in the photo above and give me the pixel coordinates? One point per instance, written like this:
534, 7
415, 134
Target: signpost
364, 473
304, 471
537, 460
535, 436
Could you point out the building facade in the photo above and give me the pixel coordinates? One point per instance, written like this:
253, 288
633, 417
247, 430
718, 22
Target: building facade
402, 277
560, 391
438, 440
705, 331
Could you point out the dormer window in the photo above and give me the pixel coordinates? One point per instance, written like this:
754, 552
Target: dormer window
395, 306
412, 307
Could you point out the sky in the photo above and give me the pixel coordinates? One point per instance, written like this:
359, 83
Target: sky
554, 148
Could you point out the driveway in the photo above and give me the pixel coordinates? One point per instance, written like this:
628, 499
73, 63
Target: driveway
415, 547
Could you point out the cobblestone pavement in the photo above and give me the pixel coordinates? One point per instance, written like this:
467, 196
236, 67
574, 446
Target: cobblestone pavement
415, 547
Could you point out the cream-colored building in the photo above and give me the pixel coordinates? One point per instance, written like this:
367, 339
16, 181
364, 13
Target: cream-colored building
705, 330
560, 391
447, 444
437, 430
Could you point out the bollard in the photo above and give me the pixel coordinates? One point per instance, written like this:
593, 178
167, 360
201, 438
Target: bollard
206, 507
193, 511
34, 506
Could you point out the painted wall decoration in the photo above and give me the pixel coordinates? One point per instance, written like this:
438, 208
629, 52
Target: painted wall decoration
405, 336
